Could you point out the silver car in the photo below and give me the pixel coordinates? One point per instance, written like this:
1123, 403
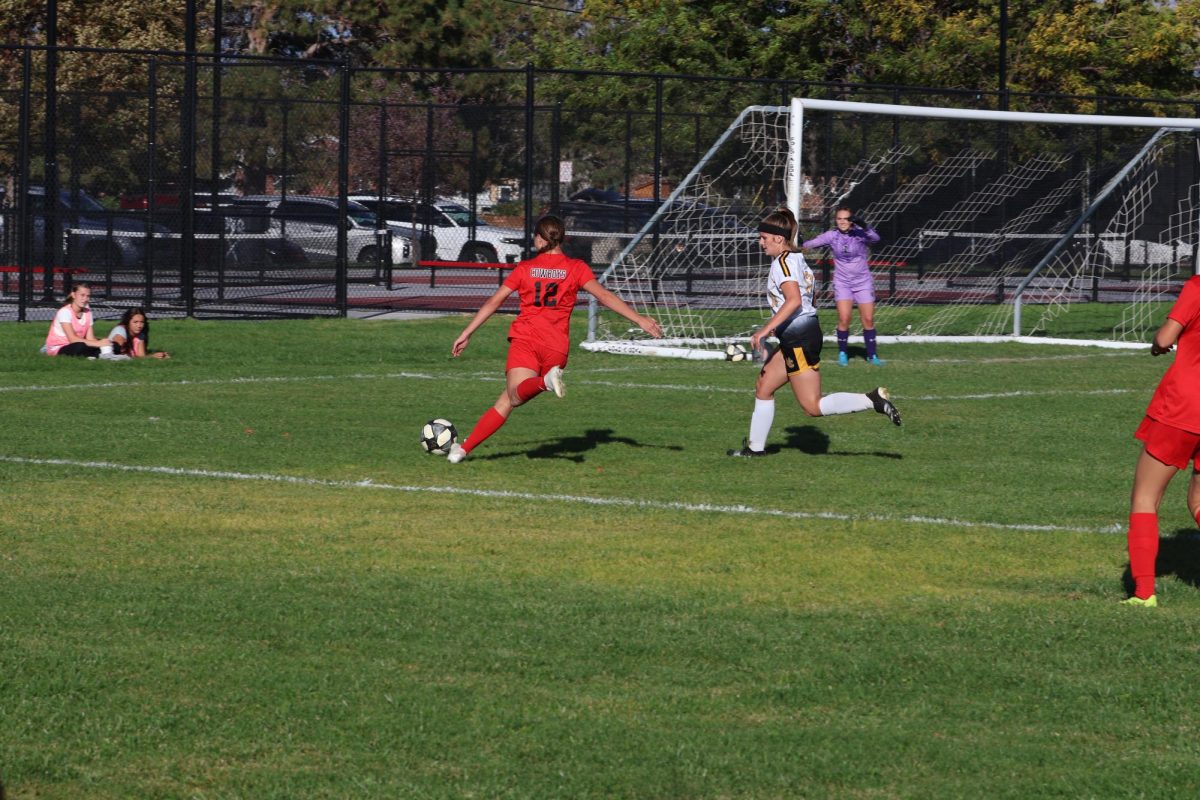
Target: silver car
312, 223
459, 236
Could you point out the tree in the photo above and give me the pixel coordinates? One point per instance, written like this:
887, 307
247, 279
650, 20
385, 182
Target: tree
1138, 47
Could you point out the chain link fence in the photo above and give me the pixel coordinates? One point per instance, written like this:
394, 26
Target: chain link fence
245, 187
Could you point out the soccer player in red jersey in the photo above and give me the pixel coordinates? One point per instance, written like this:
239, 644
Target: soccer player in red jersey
1171, 435
539, 337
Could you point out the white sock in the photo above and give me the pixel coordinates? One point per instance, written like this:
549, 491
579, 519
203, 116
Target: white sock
760, 423
844, 403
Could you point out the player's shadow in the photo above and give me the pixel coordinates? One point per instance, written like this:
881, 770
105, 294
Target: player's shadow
855, 352
815, 442
573, 448
1178, 555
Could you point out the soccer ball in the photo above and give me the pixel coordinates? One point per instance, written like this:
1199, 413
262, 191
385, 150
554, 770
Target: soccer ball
438, 435
736, 352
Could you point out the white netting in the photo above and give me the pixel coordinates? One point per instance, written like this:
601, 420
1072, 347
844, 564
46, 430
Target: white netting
974, 213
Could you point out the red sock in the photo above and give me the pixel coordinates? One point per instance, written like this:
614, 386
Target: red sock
530, 388
488, 424
1143, 550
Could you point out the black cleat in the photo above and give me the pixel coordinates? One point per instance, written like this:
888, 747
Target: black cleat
879, 396
745, 452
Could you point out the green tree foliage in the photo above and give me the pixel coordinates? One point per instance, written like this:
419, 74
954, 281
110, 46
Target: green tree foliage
764, 48
102, 97
1134, 47
421, 33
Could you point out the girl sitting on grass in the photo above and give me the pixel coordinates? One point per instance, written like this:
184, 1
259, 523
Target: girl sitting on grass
71, 332
131, 337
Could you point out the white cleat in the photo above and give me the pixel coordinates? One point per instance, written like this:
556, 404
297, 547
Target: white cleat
554, 381
456, 453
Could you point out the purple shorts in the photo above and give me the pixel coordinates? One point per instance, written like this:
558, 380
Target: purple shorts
860, 292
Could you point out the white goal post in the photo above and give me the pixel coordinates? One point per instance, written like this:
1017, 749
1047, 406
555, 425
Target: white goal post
981, 213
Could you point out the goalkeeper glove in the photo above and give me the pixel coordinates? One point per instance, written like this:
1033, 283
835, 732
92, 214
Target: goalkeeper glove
860, 222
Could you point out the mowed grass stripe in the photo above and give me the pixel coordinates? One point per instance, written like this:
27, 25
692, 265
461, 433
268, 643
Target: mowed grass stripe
626, 502
670, 387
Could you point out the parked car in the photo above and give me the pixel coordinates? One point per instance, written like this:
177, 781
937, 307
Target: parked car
425, 238
234, 250
91, 235
459, 236
312, 223
603, 211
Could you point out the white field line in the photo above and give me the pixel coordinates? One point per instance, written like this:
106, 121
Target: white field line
249, 379
491, 378
618, 502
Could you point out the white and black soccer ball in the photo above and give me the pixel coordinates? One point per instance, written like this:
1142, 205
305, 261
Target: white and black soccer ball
737, 352
437, 435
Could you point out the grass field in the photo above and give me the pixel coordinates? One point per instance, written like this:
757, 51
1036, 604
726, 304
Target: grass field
234, 574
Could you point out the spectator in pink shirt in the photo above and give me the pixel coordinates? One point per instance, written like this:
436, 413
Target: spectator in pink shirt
71, 332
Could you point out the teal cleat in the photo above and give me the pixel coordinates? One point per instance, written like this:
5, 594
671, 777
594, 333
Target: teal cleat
843, 359
876, 361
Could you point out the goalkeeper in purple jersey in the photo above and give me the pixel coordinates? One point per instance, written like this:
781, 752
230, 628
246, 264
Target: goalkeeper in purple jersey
850, 243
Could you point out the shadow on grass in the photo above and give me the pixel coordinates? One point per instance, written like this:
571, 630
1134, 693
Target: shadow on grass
815, 442
1178, 555
573, 448
856, 353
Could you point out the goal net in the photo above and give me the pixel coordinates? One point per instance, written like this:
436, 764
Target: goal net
993, 224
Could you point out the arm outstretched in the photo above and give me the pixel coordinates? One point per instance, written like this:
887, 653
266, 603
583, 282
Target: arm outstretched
485, 311
610, 301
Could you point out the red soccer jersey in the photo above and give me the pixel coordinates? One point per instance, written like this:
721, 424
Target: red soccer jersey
548, 285
1177, 400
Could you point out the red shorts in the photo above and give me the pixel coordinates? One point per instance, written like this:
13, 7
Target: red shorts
531, 355
1169, 444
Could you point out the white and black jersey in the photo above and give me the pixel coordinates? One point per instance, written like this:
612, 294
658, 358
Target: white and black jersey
791, 267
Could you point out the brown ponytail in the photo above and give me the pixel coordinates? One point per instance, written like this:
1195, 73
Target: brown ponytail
552, 230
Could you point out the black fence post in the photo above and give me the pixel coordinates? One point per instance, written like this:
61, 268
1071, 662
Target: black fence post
658, 138
628, 167
151, 185
428, 175
343, 265
895, 224
381, 192
187, 202
218, 217
527, 189
23, 220
52, 230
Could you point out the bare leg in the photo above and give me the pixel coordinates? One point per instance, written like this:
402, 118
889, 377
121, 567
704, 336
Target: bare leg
806, 386
1150, 479
866, 313
772, 376
845, 311
513, 378
1194, 496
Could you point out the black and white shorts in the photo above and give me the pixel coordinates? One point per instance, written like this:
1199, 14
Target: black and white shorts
800, 343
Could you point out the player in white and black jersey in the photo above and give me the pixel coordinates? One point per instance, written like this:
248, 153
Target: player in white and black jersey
798, 361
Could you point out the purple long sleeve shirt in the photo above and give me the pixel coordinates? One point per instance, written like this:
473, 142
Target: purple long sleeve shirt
850, 251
